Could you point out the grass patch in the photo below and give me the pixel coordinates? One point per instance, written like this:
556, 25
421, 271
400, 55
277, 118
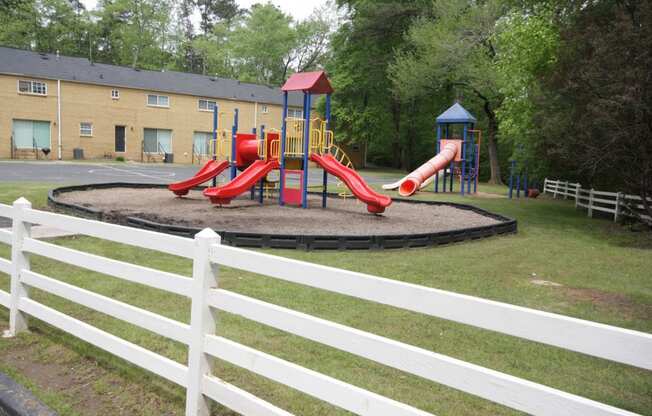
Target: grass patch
603, 269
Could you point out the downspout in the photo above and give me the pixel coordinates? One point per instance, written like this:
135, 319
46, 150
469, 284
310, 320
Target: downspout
59, 119
255, 114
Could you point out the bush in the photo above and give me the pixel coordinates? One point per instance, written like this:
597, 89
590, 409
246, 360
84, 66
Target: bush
120, 159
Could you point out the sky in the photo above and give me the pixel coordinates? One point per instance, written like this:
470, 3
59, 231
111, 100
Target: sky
299, 9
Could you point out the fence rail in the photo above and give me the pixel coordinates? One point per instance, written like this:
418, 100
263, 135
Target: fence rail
207, 299
616, 203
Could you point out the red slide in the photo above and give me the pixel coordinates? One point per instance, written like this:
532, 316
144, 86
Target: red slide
210, 170
255, 172
376, 203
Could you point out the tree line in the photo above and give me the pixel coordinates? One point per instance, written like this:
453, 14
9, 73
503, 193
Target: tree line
562, 86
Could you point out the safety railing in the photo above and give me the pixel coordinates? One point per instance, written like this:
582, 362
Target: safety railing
208, 299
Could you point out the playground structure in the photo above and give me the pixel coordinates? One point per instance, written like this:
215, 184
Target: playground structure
300, 141
518, 179
457, 154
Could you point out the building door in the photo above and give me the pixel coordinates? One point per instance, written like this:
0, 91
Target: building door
120, 145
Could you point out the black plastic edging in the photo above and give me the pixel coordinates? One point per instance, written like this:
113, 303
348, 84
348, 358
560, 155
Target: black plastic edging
16, 400
293, 241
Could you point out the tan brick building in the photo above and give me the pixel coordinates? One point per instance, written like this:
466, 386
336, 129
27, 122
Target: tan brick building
64, 103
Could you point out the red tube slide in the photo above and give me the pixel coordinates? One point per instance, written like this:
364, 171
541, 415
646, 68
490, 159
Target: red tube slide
210, 170
376, 203
248, 178
425, 171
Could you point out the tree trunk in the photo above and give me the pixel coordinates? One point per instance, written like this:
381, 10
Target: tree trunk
396, 141
492, 145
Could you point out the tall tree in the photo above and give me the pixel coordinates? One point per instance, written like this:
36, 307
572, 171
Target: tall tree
455, 49
135, 32
212, 12
594, 114
365, 110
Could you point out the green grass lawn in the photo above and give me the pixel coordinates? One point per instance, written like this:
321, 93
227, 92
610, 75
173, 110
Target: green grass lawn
603, 270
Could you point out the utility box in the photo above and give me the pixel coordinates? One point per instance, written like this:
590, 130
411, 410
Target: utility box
169, 158
77, 153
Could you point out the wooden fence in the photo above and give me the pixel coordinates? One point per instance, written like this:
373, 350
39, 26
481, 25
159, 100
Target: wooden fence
207, 299
617, 204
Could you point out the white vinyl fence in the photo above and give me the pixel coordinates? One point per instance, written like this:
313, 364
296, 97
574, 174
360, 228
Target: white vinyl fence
599, 340
616, 203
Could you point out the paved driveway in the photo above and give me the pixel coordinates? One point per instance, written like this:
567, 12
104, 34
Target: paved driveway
78, 173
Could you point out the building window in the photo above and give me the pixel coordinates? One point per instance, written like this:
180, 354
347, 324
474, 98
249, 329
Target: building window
264, 109
86, 129
158, 100
31, 134
202, 142
207, 105
32, 87
157, 141
294, 113
115, 94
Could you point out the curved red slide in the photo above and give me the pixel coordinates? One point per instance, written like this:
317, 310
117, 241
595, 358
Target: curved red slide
211, 169
255, 172
376, 203
412, 182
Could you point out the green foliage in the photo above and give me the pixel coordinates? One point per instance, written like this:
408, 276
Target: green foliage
527, 47
134, 32
120, 159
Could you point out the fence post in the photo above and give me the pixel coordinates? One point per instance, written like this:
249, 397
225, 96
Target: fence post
566, 190
619, 199
19, 260
554, 194
590, 213
202, 322
577, 194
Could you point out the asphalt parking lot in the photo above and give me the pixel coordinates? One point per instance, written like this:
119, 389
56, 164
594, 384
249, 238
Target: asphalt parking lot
89, 172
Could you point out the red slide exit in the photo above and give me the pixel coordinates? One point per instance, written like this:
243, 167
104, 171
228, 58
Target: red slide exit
255, 172
210, 170
376, 203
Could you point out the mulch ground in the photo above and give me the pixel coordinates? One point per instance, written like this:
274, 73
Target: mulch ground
341, 217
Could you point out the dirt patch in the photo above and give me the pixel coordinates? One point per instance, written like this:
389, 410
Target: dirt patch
81, 383
609, 301
342, 217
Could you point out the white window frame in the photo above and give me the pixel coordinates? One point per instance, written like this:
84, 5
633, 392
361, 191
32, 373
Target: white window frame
207, 101
115, 94
81, 129
264, 109
32, 83
296, 113
158, 99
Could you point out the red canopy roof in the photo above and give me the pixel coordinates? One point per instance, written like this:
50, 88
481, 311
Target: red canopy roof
313, 82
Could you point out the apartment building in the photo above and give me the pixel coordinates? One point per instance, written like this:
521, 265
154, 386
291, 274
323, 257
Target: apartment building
77, 108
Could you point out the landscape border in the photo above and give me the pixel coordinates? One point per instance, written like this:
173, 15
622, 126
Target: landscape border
293, 241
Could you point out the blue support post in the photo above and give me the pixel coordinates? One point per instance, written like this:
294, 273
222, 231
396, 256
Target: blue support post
281, 180
511, 177
234, 131
324, 194
525, 183
477, 168
306, 150
437, 146
215, 112
262, 181
452, 176
463, 160
518, 185
470, 165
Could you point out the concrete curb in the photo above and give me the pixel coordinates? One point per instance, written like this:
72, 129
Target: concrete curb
16, 400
